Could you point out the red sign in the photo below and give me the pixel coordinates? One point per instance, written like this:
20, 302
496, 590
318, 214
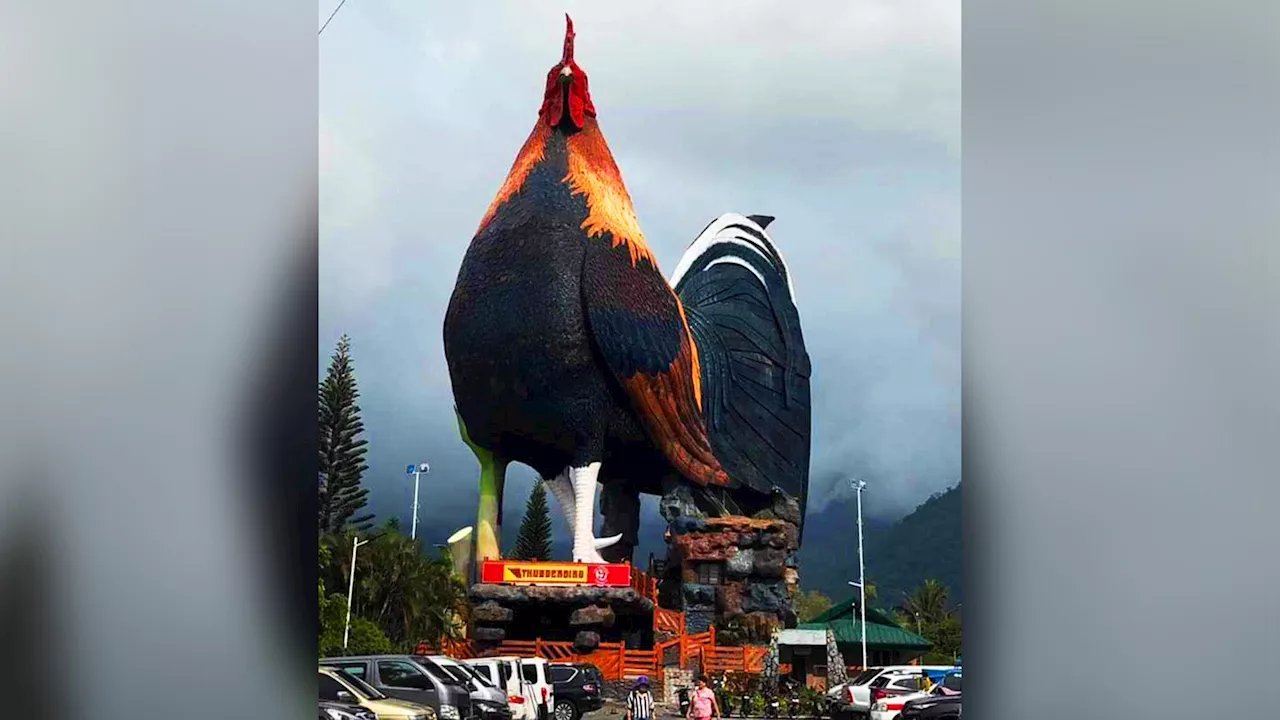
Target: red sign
515, 572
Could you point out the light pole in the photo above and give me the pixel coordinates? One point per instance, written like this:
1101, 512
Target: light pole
417, 471
858, 486
351, 588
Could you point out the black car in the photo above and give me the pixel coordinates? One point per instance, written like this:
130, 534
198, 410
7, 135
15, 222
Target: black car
577, 689
330, 710
934, 707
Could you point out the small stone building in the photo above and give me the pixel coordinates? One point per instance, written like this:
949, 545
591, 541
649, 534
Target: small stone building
804, 651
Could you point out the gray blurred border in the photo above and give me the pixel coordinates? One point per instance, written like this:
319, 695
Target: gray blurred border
1121, 345
1120, 337
158, 183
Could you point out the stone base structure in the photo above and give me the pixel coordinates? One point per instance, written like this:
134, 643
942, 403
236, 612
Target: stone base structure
737, 573
581, 614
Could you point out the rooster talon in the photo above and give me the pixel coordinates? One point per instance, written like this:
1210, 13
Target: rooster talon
602, 543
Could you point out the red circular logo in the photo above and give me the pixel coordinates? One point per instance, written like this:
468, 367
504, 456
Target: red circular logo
602, 574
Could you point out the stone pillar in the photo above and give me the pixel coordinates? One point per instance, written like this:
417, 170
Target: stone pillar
736, 572
836, 673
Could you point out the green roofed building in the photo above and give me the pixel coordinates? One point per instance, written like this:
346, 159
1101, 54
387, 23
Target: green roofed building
887, 642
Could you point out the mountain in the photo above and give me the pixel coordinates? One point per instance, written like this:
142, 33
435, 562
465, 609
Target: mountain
899, 556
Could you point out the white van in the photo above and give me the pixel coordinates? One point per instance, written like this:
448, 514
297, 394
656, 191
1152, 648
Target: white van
505, 672
537, 675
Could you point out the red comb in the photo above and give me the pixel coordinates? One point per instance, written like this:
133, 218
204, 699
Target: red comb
568, 40
579, 104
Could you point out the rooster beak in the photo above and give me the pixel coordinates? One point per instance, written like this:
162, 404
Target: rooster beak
566, 74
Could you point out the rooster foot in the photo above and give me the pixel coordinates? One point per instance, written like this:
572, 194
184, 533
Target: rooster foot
562, 488
602, 543
598, 544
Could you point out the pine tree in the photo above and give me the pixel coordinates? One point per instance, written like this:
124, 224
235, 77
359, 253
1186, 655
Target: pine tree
534, 540
342, 451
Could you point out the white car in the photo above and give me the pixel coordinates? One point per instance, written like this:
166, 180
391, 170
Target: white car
888, 708
537, 676
506, 673
855, 696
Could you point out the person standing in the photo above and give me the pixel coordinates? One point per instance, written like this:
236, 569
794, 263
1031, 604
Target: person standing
703, 705
640, 702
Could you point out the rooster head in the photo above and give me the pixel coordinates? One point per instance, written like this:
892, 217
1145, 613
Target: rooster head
567, 103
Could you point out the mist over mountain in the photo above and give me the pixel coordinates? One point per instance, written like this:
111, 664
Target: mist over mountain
927, 543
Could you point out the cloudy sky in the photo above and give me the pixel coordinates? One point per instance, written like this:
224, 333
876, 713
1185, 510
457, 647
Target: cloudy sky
842, 120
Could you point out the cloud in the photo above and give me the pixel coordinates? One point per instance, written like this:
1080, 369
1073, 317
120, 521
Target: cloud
841, 119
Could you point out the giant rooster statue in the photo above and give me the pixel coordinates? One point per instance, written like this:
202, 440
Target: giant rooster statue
570, 352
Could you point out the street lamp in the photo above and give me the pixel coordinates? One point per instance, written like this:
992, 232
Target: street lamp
417, 471
858, 486
351, 587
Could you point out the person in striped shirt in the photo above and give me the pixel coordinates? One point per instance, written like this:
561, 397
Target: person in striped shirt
640, 702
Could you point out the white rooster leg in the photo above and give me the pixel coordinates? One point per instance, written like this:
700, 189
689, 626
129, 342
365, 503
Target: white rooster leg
563, 490
584, 495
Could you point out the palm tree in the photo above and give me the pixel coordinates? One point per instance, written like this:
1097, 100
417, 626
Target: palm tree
412, 596
409, 595
927, 603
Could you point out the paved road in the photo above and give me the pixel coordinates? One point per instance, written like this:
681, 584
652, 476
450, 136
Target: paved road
617, 712
612, 712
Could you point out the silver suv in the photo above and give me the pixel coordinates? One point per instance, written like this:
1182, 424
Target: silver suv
403, 677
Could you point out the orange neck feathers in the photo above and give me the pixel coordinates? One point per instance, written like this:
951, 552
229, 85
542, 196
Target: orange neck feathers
528, 158
592, 172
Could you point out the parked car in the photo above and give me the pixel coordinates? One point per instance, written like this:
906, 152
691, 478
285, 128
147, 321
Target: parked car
341, 687
577, 689
890, 707
505, 672
487, 701
873, 683
840, 697
332, 710
538, 679
400, 676
934, 707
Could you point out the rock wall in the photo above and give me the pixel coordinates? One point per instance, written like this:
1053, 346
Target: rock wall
673, 680
579, 613
737, 573
836, 673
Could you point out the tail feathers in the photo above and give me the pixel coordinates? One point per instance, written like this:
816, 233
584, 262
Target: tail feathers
740, 303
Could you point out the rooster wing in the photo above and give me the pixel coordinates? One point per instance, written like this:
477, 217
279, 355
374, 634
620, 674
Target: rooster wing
641, 332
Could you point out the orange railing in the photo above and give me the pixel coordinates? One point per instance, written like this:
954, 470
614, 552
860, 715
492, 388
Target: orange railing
555, 650
668, 621
452, 648
747, 658
694, 643
644, 585
616, 661
640, 662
